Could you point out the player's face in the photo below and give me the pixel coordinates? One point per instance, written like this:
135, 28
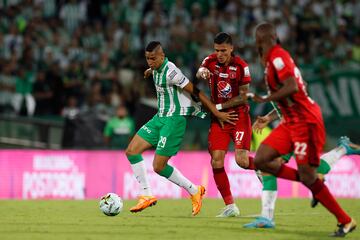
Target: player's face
154, 59
223, 52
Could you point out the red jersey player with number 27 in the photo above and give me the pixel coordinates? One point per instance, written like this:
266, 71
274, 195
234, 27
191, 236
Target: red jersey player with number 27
228, 77
302, 130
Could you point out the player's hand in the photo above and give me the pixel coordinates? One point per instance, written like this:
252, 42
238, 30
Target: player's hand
229, 117
256, 98
147, 73
260, 123
204, 73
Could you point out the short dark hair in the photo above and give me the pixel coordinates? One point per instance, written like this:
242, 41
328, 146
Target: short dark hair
222, 37
152, 45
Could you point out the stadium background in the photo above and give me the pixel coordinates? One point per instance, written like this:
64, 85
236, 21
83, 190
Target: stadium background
66, 66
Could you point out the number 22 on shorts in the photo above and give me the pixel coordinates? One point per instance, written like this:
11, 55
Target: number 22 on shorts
300, 148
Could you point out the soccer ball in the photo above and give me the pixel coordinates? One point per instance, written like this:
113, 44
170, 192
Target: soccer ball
111, 204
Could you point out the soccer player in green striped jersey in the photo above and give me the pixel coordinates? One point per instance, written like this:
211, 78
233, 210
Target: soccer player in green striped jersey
166, 129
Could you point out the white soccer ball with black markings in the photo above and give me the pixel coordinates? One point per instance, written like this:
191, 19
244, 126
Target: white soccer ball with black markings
111, 204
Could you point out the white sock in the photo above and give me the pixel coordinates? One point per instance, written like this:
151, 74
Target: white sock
179, 179
333, 156
140, 174
268, 199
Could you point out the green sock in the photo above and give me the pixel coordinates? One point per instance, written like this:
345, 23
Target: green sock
167, 171
324, 167
133, 159
269, 183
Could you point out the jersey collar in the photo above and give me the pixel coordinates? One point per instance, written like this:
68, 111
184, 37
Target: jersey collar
271, 50
159, 70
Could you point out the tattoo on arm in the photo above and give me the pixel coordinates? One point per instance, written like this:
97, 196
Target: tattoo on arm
238, 100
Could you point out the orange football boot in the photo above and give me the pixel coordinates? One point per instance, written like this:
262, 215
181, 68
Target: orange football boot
144, 202
196, 200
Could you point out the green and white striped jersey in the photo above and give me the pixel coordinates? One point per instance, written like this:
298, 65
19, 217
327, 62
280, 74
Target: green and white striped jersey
172, 99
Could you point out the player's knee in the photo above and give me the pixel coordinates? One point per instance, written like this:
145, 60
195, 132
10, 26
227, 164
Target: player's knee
217, 163
242, 161
260, 162
158, 168
307, 178
129, 151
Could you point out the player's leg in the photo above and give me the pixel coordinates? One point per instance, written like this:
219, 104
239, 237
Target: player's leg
241, 135
268, 199
144, 139
171, 135
308, 141
218, 141
276, 144
329, 159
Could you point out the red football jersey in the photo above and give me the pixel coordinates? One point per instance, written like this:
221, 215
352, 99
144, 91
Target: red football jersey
225, 80
299, 106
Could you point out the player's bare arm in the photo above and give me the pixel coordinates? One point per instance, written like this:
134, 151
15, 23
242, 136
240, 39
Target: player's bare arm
262, 121
203, 73
288, 88
228, 117
241, 99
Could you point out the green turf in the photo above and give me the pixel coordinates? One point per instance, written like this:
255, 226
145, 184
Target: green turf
169, 219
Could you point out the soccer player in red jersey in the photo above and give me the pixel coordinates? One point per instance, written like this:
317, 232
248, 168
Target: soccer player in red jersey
302, 129
228, 77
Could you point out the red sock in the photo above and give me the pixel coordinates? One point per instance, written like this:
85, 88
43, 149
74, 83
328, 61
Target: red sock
223, 185
322, 193
251, 164
288, 173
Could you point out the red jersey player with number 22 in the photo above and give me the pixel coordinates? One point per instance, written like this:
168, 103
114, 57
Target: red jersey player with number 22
302, 131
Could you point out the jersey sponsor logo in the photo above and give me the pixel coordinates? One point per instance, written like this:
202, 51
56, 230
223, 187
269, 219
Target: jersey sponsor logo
232, 68
224, 89
246, 72
182, 81
146, 129
224, 75
172, 74
278, 63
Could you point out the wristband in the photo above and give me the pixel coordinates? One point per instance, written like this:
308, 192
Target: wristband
218, 106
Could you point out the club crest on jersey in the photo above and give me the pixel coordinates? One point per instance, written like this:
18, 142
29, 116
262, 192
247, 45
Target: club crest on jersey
224, 89
232, 75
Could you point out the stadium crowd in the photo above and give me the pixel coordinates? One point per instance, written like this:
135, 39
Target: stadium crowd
62, 57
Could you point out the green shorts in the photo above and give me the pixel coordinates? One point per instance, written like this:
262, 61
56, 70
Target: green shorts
287, 157
164, 133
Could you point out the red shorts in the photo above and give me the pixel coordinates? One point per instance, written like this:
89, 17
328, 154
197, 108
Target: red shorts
219, 139
306, 140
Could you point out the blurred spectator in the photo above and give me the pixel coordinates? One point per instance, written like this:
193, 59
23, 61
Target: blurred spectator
119, 129
7, 87
92, 51
43, 95
71, 110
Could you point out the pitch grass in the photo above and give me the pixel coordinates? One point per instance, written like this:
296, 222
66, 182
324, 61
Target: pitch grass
170, 219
